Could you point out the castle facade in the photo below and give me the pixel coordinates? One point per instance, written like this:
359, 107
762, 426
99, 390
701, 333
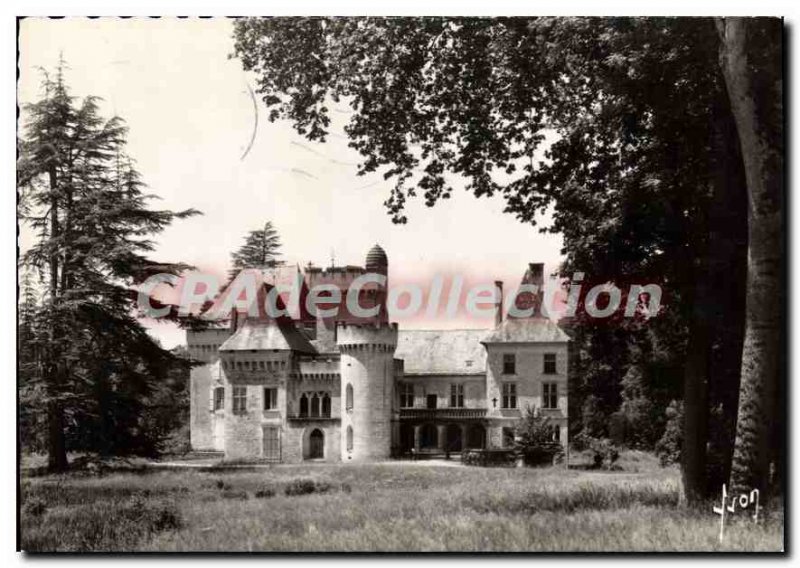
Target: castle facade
354, 389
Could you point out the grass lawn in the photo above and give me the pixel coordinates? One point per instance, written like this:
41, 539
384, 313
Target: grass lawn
380, 507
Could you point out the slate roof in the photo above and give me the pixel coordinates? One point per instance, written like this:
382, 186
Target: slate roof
442, 352
254, 334
527, 330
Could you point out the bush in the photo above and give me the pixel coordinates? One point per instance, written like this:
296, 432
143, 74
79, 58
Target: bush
306, 486
302, 486
668, 448
535, 439
603, 451
235, 494
265, 493
34, 507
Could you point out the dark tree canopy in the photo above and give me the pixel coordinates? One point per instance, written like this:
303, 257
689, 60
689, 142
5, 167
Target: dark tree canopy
622, 127
91, 370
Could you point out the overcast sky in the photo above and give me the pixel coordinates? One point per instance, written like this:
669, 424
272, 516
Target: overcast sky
191, 118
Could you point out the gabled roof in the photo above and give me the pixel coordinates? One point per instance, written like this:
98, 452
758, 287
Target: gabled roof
442, 352
527, 330
255, 334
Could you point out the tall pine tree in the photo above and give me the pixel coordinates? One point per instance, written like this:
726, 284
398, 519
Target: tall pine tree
260, 250
81, 195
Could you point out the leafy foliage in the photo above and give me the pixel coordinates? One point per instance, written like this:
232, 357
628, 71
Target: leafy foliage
620, 127
668, 448
535, 438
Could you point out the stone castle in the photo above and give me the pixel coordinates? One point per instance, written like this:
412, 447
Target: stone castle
353, 390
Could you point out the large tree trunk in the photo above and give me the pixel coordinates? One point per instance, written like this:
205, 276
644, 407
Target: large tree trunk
56, 440
57, 450
727, 252
695, 402
750, 56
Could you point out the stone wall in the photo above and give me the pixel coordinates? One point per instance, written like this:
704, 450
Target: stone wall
474, 388
200, 423
529, 376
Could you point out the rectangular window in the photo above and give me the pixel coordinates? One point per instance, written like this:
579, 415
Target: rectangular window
456, 396
239, 400
550, 364
270, 399
431, 401
272, 443
219, 398
509, 395
549, 395
406, 395
509, 364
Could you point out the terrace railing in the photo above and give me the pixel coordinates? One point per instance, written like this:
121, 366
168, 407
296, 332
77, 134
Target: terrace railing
442, 413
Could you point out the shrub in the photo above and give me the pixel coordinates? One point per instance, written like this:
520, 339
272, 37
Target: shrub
603, 451
34, 507
306, 486
302, 486
230, 493
535, 439
668, 448
264, 493
323, 487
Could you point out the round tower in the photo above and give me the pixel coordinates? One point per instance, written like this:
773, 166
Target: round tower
367, 382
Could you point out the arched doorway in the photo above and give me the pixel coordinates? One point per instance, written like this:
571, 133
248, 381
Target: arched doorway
476, 436
316, 445
428, 436
454, 442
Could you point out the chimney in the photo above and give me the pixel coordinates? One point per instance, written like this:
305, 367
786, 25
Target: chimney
498, 308
536, 271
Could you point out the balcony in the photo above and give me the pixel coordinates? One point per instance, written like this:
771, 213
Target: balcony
442, 413
311, 418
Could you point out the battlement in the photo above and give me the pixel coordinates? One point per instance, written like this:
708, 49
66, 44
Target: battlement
341, 276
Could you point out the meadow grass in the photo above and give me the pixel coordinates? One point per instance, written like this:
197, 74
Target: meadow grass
379, 507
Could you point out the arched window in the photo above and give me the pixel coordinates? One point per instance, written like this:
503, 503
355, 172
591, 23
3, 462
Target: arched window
326, 405
349, 438
315, 405
349, 398
304, 405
